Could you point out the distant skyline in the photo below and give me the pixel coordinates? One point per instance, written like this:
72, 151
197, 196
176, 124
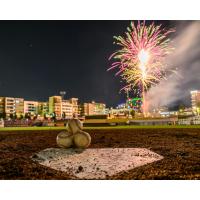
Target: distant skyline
39, 59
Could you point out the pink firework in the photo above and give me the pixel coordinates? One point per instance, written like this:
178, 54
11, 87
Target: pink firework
140, 60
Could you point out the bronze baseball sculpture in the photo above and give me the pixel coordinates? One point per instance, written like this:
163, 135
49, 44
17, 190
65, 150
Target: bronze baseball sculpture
74, 135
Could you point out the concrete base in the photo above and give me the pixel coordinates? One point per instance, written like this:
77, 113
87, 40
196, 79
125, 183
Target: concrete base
95, 163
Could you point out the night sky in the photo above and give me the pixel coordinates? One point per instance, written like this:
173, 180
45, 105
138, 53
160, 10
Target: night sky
40, 58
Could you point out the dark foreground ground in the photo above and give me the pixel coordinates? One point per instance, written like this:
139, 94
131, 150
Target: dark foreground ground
180, 148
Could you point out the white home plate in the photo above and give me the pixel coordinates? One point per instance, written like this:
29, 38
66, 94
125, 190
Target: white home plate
95, 163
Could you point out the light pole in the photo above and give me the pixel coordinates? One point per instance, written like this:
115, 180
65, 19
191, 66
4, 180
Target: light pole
127, 98
62, 94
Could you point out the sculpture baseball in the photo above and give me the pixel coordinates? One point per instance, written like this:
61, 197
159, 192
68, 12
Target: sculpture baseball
82, 139
74, 125
74, 135
64, 139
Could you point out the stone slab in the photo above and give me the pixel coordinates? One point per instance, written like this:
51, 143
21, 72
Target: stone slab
95, 163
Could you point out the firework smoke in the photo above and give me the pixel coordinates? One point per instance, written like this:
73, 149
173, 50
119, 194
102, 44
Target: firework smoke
187, 59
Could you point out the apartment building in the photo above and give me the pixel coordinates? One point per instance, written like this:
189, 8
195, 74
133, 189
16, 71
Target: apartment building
43, 108
63, 108
94, 108
9, 106
55, 106
195, 101
12, 106
31, 107
74, 104
19, 106
2, 105
67, 109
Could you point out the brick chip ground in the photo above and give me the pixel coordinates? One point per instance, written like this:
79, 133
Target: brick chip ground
180, 148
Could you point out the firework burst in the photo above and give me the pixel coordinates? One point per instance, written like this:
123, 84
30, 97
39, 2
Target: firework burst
140, 59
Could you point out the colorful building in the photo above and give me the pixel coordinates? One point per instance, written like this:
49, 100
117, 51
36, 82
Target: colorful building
31, 107
195, 101
43, 108
2, 105
11, 106
55, 106
63, 108
67, 109
94, 108
19, 106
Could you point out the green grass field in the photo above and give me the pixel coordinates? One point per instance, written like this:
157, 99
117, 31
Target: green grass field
31, 128
108, 127
146, 127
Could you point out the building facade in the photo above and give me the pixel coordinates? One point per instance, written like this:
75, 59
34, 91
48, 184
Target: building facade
74, 104
67, 109
195, 101
63, 108
43, 108
55, 104
94, 108
10, 106
2, 105
19, 107
31, 107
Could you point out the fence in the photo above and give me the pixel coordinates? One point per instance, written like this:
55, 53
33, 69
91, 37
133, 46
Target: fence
26, 123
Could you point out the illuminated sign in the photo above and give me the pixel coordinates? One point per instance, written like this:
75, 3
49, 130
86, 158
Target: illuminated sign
134, 102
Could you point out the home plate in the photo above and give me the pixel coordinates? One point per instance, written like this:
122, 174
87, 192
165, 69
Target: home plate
95, 163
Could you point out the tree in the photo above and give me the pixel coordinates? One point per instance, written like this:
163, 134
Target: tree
27, 116
132, 113
64, 115
181, 107
3, 115
15, 116
198, 108
35, 117
53, 116
45, 116
11, 116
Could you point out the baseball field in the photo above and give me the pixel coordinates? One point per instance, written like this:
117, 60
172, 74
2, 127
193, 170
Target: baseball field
179, 146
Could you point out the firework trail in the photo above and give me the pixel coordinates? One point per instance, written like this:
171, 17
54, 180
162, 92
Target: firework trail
141, 58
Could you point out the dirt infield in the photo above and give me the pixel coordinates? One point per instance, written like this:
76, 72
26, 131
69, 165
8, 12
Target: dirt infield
179, 147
